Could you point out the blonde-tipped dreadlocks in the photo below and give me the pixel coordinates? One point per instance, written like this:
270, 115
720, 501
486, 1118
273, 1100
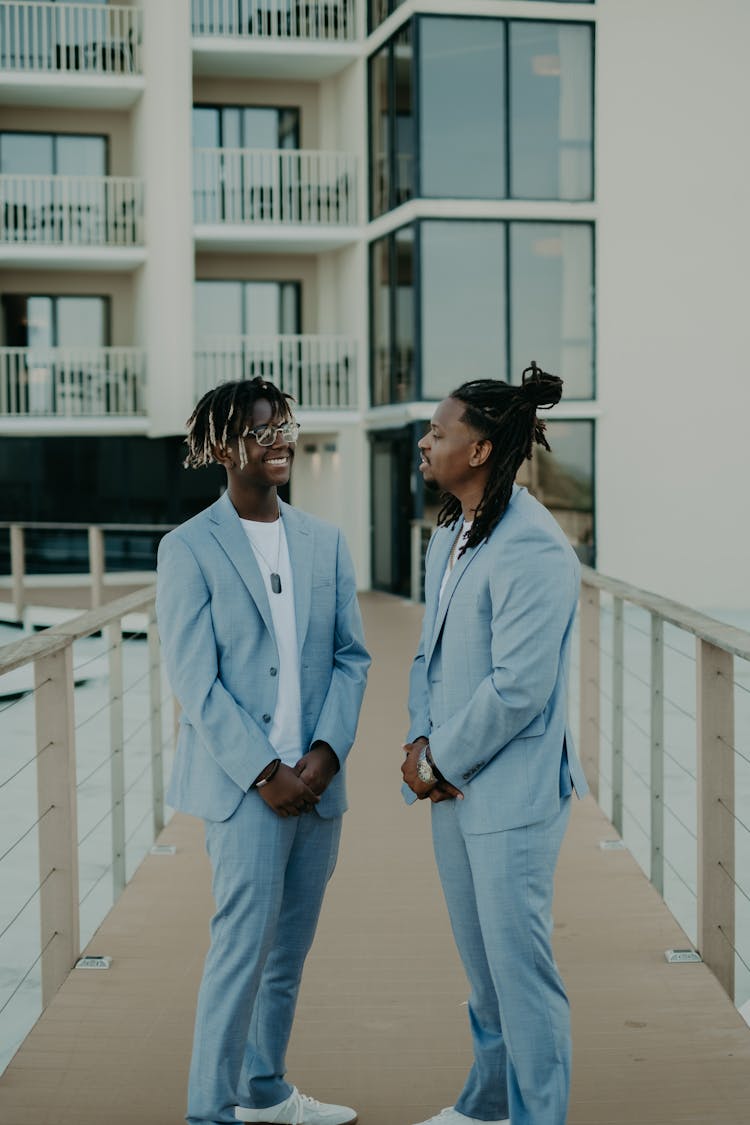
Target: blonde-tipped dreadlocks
225, 413
506, 415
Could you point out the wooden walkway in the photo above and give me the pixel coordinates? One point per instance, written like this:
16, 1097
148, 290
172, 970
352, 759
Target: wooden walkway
382, 1021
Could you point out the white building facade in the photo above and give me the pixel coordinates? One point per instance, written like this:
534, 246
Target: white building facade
369, 202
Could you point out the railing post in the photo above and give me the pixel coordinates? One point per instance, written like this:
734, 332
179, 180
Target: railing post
618, 681
657, 752
58, 824
715, 786
589, 693
18, 570
96, 566
117, 768
157, 738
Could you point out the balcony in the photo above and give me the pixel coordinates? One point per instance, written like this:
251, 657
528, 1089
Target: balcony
39, 386
273, 38
71, 220
320, 372
70, 54
242, 197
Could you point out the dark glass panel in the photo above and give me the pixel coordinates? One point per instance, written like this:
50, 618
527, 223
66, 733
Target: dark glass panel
380, 274
552, 314
380, 179
463, 304
403, 124
563, 481
404, 388
462, 117
551, 111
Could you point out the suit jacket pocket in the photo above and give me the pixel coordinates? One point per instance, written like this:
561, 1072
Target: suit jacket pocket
538, 725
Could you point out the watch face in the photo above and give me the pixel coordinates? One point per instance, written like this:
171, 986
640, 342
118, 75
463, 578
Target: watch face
424, 771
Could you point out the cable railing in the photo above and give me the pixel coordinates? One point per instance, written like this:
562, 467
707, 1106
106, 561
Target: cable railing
87, 729
93, 557
91, 39
290, 186
319, 371
71, 210
332, 21
661, 698
72, 382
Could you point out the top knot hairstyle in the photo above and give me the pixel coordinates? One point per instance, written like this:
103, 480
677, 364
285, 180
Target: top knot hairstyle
226, 412
506, 416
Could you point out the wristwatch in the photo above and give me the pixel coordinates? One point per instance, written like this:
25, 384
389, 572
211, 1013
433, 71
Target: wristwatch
425, 771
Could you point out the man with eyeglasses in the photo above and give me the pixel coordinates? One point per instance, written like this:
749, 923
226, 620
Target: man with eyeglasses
262, 635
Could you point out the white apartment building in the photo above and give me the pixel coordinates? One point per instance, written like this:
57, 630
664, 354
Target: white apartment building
369, 202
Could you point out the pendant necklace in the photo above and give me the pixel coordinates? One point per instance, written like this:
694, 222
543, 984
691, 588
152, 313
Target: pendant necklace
275, 576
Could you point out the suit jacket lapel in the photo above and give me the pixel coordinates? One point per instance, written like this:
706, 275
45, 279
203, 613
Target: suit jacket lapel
300, 540
454, 578
228, 532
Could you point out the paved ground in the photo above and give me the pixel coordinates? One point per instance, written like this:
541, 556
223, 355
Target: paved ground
382, 1022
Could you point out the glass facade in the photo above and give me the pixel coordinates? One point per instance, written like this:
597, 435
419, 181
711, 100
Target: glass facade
52, 154
478, 108
44, 322
246, 308
230, 126
563, 481
487, 297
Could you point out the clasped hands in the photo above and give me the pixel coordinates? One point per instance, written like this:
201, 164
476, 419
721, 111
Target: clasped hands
436, 791
294, 791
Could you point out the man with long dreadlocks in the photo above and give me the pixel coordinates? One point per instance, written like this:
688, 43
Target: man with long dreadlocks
262, 634
489, 744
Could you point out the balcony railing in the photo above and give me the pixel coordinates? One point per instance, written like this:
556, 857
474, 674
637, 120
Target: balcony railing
274, 186
71, 210
331, 21
91, 39
319, 371
72, 382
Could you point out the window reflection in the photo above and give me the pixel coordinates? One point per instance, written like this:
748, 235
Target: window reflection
462, 64
380, 131
563, 481
393, 318
53, 154
246, 308
551, 111
552, 313
463, 304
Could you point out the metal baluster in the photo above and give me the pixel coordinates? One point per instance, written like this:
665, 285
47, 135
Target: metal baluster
657, 752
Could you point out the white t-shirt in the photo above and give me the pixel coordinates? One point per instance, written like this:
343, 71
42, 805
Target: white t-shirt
453, 557
269, 544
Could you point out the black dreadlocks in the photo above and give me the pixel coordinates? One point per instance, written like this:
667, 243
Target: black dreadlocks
506, 415
226, 412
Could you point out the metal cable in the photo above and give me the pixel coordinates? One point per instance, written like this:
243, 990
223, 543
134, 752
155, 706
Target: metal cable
98, 711
679, 707
679, 820
638, 727
734, 749
96, 769
94, 827
646, 782
723, 868
91, 659
33, 895
140, 727
24, 694
732, 813
25, 765
145, 816
635, 819
672, 868
128, 687
635, 676
677, 762
28, 971
95, 884
38, 820
137, 778
731, 945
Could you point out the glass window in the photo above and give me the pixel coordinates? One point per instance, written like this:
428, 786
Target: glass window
563, 481
246, 308
380, 190
403, 372
231, 126
393, 318
462, 96
463, 304
379, 10
552, 302
551, 111
403, 122
55, 322
53, 154
380, 273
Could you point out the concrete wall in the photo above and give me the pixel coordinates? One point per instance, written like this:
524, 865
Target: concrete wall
673, 251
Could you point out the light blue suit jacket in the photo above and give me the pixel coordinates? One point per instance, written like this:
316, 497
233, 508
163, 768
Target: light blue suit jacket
489, 682
218, 640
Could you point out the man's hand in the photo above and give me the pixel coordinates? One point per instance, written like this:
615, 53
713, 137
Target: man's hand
318, 767
287, 794
440, 790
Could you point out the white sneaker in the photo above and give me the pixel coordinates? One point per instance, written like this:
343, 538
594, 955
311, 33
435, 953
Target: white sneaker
298, 1109
451, 1116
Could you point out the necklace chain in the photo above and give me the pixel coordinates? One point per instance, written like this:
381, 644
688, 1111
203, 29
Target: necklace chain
256, 548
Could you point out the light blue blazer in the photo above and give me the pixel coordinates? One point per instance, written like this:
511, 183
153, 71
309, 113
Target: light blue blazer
488, 685
218, 640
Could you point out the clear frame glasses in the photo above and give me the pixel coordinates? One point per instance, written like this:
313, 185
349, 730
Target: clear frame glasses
266, 435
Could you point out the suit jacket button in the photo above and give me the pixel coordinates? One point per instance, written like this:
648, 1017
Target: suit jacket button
266, 718
273, 671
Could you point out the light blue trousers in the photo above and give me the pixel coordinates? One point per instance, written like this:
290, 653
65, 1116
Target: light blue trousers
498, 887
269, 878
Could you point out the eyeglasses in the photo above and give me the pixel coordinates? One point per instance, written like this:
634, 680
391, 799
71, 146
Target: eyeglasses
266, 435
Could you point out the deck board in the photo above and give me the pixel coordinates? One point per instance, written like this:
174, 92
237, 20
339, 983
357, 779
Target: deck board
382, 1020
